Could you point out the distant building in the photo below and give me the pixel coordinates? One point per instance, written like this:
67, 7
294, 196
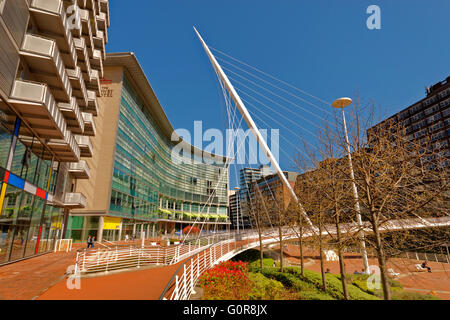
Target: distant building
247, 177
275, 194
427, 119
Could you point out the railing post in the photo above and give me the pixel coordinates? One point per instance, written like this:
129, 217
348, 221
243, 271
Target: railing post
192, 278
107, 261
76, 263
184, 281
177, 288
84, 259
139, 258
198, 266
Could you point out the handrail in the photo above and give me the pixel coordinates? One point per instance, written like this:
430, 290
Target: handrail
161, 297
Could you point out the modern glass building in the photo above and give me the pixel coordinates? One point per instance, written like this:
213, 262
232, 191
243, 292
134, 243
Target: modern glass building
138, 184
50, 71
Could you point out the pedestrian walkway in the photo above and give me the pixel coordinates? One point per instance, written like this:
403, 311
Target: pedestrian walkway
25, 280
134, 285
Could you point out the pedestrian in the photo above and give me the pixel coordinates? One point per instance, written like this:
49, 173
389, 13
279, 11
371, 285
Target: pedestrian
89, 242
328, 271
425, 266
92, 242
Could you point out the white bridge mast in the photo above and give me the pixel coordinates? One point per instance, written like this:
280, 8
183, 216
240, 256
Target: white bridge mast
251, 124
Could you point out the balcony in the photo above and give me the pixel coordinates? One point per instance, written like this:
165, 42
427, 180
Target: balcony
89, 124
83, 56
104, 7
39, 109
45, 63
85, 145
94, 84
75, 201
78, 87
99, 43
51, 20
80, 170
87, 30
92, 103
97, 61
72, 114
102, 25
66, 149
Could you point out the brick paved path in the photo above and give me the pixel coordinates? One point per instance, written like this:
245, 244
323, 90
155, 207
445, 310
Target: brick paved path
27, 279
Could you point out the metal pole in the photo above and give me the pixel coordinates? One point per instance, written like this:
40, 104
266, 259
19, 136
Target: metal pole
251, 124
355, 195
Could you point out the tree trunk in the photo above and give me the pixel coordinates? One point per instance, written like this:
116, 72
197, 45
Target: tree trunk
261, 265
280, 233
302, 264
322, 269
341, 258
381, 258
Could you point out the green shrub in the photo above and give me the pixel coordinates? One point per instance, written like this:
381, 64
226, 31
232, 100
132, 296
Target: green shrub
265, 288
403, 295
306, 290
334, 285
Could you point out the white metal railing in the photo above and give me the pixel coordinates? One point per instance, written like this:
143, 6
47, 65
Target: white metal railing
182, 284
424, 256
133, 256
63, 245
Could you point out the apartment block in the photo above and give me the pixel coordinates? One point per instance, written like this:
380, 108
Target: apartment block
51, 65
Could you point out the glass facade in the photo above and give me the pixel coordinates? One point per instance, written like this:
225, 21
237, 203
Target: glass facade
28, 225
145, 178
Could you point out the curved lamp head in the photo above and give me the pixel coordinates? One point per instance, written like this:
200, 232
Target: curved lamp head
342, 103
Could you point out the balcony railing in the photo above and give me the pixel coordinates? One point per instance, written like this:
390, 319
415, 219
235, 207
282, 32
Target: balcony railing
80, 170
67, 149
83, 57
89, 124
78, 86
92, 103
73, 116
42, 113
75, 200
97, 61
51, 20
94, 84
84, 142
43, 57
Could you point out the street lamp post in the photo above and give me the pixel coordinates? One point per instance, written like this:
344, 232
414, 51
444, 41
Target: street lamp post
341, 104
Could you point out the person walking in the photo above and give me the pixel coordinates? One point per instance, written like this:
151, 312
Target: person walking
89, 242
92, 242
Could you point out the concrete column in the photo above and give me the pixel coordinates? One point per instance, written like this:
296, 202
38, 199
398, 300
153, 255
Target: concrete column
120, 230
101, 220
134, 229
148, 231
153, 230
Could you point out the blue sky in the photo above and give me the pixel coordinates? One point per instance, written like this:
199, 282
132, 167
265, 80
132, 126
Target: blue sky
323, 47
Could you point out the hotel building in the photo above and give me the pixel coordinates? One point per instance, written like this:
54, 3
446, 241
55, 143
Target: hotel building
51, 63
136, 182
